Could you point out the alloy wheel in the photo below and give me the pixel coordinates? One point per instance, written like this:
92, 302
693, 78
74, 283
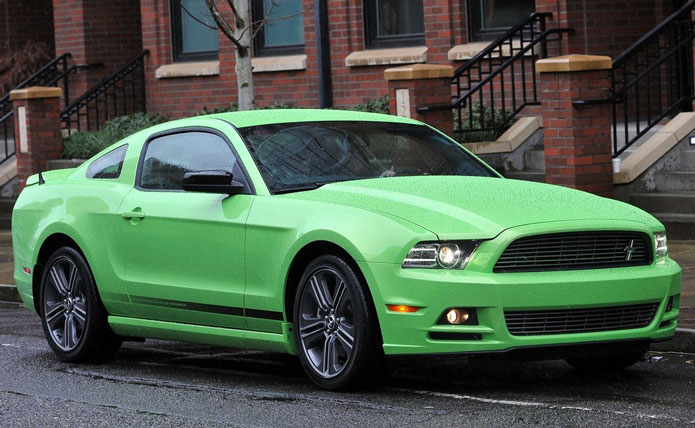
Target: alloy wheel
65, 305
326, 322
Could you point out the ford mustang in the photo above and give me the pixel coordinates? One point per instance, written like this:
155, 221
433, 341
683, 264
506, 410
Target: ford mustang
340, 237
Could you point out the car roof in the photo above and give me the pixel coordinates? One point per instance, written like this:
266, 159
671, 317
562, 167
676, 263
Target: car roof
244, 119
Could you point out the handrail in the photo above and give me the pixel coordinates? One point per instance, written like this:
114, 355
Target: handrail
49, 74
481, 99
489, 49
650, 34
658, 70
85, 110
51, 66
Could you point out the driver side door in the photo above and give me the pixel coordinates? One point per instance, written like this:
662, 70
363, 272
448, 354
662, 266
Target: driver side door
183, 252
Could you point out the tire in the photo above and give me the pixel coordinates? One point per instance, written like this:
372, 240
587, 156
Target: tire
609, 362
336, 338
73, 318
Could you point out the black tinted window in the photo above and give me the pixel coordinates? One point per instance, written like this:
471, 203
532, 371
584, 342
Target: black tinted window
168, 158
291, 155
108, 165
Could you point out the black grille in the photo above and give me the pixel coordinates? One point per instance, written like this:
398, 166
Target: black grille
578, 250
531, 323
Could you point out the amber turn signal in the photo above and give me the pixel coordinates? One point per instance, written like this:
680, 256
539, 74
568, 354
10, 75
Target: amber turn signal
402, 308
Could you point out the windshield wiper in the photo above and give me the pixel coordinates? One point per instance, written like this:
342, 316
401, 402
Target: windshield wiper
302, 188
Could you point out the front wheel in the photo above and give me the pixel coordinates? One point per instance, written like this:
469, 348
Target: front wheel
335, 329
73, 318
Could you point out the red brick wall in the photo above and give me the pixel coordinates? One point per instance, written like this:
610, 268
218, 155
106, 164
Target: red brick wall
178, 97
43, 136
610, 27
577, 141
605, 27
22, 21
97, 31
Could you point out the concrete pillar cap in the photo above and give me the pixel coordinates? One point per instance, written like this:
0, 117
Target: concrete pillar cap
419, 71
568, 63
35, 92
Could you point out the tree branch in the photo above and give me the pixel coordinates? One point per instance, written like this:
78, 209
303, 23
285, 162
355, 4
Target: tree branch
226, 29
195, 18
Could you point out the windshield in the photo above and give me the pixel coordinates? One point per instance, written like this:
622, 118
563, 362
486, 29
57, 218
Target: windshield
299, 156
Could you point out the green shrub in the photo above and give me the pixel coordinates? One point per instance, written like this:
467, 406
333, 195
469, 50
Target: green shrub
471, 132
83, 145
234, 107
377, 105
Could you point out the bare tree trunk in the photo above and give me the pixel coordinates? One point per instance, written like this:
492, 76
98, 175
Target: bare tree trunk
243, 68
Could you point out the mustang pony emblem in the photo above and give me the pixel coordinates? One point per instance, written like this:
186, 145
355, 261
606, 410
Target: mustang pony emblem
629, 250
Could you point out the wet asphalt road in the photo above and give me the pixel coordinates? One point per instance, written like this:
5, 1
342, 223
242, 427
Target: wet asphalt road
160, 383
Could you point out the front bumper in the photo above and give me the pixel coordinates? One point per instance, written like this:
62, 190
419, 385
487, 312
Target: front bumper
491, 294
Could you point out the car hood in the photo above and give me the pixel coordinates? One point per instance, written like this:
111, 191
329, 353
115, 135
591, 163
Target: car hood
473, 206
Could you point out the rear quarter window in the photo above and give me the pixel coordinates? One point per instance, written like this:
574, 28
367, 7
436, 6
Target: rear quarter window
108, 165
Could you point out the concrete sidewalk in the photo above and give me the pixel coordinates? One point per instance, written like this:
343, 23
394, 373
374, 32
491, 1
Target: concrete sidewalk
681, 251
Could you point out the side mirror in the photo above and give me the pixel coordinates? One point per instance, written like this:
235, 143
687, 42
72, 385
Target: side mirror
211, 182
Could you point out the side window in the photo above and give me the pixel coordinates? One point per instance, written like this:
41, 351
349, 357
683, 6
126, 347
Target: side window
168, 158
108, 165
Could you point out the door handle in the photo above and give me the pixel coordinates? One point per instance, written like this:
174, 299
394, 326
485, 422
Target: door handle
132, 214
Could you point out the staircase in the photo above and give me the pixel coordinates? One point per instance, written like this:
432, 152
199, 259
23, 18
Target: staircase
673, 199
534, 167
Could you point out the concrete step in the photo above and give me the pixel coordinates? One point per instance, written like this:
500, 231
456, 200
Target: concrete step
534, 160
670, 181
528, 175
678, 226
670, 202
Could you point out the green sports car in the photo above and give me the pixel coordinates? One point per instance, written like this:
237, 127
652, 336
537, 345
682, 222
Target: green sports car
340, 237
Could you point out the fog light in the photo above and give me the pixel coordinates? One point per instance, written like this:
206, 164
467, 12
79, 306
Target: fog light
669, 305
457, 316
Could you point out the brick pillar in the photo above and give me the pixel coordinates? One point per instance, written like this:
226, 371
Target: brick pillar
36, 129
577, 140
418, 85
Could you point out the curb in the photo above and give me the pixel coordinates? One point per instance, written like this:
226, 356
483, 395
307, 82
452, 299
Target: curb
683, 341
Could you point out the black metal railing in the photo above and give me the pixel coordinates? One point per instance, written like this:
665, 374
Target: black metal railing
652, 80
491, 88
123, 92
55, 73
48, 75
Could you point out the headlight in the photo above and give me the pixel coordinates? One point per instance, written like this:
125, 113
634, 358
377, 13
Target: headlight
660, 244
447, 255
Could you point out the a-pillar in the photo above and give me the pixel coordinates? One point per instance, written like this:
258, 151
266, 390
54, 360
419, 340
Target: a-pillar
577, 140
36, 129
419, 85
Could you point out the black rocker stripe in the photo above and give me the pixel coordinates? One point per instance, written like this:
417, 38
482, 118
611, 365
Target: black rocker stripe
203, 307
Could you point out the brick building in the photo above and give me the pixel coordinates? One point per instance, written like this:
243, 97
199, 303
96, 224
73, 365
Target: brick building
191, 66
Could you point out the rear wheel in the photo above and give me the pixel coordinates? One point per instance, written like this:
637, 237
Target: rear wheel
334, 326
73, 318
609, 362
